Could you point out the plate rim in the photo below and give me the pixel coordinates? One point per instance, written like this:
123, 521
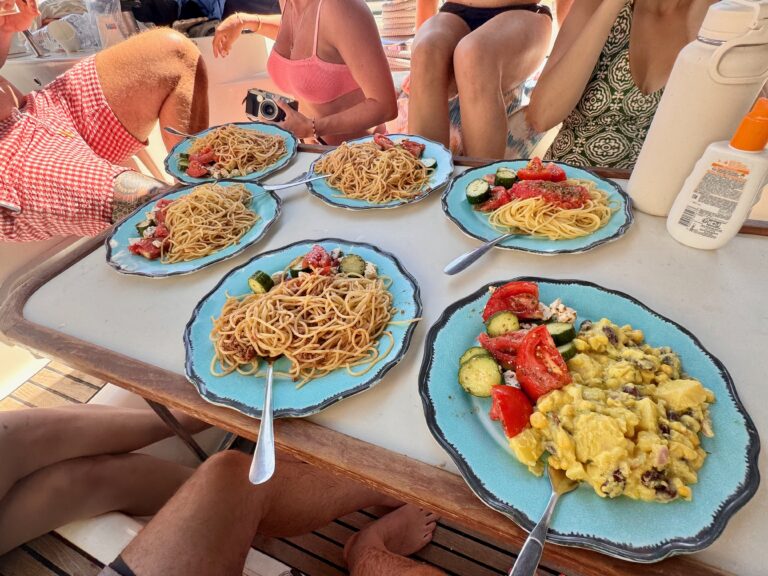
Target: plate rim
274, 168
414, 200
367, 383
268, 225
641, 554
629, 216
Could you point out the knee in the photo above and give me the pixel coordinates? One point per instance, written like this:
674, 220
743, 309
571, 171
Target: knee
229, 465
432, 51
173, 46
472, 62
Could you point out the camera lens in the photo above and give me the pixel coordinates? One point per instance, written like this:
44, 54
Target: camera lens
268, 110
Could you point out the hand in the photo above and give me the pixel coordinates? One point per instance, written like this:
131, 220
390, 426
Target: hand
295, 122
18, 22
226, 33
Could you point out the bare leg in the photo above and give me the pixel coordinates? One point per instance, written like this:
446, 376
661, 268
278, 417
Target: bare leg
432, 77
499, 55
380, 548
156, 75
208, 526
85, 487
33, 439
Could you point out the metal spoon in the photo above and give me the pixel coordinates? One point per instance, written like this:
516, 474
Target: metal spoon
292, 183
466, 260
529, 557
175, 132
263, 463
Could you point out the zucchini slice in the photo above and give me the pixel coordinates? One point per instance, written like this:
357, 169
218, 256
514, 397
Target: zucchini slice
352, 264
478, 191
479, 375
505, 177
472, 352
141, 227
502, 323
429, 163
260, 282
567, 351
297, 266
561, 332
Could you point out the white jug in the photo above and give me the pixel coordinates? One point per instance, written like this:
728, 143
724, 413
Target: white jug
713, 84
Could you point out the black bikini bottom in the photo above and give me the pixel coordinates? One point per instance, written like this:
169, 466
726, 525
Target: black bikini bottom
476, 17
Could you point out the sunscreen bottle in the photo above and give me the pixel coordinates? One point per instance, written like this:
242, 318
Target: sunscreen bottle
724, 185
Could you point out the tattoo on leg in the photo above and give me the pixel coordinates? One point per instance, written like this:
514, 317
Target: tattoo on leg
131, 190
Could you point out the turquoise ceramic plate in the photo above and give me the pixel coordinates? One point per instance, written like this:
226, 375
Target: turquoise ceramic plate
291, 147
246, 393
475, 224
440, 177
628, 529
265, 204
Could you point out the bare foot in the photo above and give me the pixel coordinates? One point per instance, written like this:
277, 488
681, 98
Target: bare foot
404, 532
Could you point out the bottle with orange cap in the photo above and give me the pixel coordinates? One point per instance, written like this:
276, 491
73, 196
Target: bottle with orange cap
724, 185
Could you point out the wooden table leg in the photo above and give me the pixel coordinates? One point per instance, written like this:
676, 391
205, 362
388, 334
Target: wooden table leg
167, 417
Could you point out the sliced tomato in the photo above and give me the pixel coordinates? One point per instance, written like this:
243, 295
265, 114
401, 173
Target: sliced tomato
196, 169
383, 142
205, 156
163, 203
540, 367
161, 231
503, 348
146, 248
520, 298
512, 407
535, 170
318, 260
499, 197
415, 148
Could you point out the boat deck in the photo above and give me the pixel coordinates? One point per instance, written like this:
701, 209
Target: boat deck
454, 550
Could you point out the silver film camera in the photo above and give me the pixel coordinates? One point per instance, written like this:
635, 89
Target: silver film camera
260, 104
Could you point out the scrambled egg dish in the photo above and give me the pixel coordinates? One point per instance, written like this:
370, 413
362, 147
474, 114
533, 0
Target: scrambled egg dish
628, 424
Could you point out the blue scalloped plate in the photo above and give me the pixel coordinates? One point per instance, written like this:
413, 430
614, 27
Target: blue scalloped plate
440, 177
625, 528
266, 204
291, 147
475, 224
246, 393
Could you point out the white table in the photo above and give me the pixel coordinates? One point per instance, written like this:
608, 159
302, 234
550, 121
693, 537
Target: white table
717, 295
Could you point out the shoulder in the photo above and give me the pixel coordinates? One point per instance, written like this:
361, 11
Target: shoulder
346, 15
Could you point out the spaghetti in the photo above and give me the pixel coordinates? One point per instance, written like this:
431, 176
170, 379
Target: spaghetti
366, 172
319, 323
237, 151
542, 216
206, 220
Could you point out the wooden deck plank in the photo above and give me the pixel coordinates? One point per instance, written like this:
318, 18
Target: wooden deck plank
317, 545
64, 556
79, 391
9, 403
20, 563
40, 397
296, 557
69, 371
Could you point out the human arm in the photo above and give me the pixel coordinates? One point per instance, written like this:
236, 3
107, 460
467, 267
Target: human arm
573, 58
350, 27
18, 22
425, 9
232, 26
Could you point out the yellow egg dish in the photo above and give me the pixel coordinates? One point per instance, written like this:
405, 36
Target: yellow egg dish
629, 423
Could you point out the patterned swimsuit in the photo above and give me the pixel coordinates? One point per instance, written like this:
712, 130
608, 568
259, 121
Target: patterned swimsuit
609, 124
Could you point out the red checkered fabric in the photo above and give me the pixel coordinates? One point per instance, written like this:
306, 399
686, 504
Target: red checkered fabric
58, 159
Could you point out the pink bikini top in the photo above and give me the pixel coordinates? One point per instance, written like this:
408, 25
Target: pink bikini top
311, 79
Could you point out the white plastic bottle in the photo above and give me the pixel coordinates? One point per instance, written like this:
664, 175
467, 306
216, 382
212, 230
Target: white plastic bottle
725, 184
713, 83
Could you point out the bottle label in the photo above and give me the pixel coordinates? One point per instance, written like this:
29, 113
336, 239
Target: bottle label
715, 198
